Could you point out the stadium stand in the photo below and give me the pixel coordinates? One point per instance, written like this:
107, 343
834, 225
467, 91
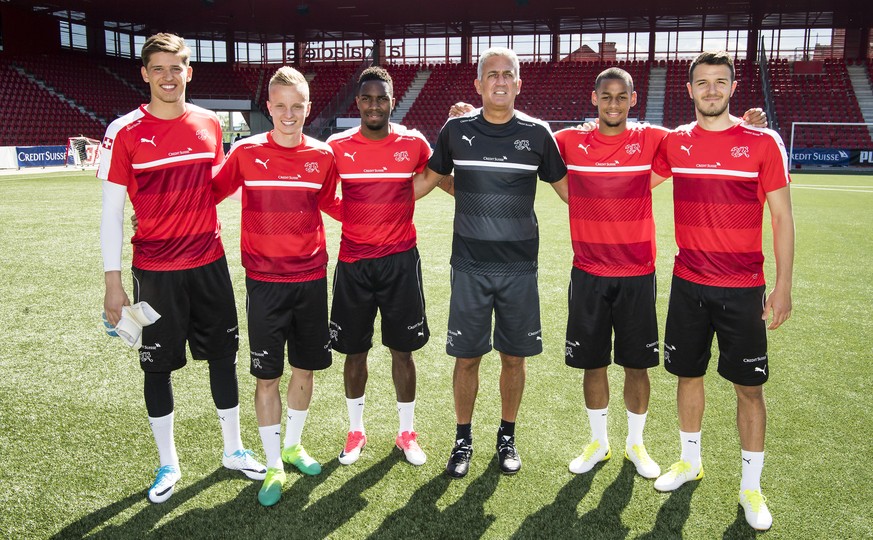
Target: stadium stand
25, 106
817, 97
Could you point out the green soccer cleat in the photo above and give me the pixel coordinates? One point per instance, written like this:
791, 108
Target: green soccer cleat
296, 455
271, 490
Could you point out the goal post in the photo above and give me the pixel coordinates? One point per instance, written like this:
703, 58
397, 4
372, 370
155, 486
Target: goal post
84, 151
831, 144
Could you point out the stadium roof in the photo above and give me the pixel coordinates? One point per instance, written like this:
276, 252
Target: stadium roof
310, 20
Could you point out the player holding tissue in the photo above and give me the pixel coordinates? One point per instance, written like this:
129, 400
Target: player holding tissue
161, 155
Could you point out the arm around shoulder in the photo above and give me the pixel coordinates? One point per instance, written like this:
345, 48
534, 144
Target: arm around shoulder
424, 182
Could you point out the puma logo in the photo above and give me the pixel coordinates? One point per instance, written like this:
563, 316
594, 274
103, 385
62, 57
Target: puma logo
469, 140
749, 461
762, 369
687, 149
150, 141
350, 156
264, 163
585, 147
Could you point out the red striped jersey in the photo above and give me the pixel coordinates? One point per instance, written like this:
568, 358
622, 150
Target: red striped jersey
611, 223
378, 199
167, 166
720, 182
282, 238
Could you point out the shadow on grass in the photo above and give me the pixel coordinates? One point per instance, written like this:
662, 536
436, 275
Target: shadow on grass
739, 529
465, 518
241, 516
561, 520
144, 520
673, 514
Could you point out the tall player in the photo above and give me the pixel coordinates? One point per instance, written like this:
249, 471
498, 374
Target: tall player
161, 155
722, 175
285, 178
497, 154
379, 266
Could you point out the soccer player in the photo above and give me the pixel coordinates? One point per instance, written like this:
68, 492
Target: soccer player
612, 283
285, 178
161, 155
497, 154
722, 175
379, 267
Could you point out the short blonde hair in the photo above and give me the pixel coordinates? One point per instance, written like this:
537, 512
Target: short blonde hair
288, 76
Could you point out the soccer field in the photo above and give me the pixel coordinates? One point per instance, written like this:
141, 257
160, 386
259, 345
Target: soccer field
78, 454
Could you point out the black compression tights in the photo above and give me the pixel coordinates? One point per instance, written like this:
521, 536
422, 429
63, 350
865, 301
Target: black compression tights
222, 382
158, 392
158, 388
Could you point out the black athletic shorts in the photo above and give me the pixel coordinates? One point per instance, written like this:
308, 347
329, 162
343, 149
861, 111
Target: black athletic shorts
292, 313
197, 306
515, 304
597, 306
696, 312
391, 284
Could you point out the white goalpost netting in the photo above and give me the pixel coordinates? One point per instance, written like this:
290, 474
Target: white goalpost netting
84, 151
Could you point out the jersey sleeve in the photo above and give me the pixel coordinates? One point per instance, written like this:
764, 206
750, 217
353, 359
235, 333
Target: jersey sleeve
424, 155
112, 225
328, 201
774, 166
441, 160
552, 167
115, 164
661, 163
227, 177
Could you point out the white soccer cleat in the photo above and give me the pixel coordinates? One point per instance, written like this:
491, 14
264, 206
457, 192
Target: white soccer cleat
678, 474
755, 506
407, 442
593, 454
245, 462
162, 488
646, 466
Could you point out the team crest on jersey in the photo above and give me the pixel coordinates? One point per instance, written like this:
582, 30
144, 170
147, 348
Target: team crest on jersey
522, 144
107, 142
202, 134
740, 151
401, 156
311, 167
632, 149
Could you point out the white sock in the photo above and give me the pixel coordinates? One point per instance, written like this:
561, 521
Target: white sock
691, 448
753, 464
597, 421
635, 425
270, 437
356, 413
407, 416
294, 426
229, 420
162, 429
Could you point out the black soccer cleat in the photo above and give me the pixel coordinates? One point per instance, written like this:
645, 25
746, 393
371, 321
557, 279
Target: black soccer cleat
459, 461
507, 455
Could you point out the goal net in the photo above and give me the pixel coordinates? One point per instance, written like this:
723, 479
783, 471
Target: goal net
83, 151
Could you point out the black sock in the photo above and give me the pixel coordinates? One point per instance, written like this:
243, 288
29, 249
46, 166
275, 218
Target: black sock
464, 431
507, 429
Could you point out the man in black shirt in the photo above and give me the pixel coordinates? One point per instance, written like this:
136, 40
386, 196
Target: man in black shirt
497, 154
